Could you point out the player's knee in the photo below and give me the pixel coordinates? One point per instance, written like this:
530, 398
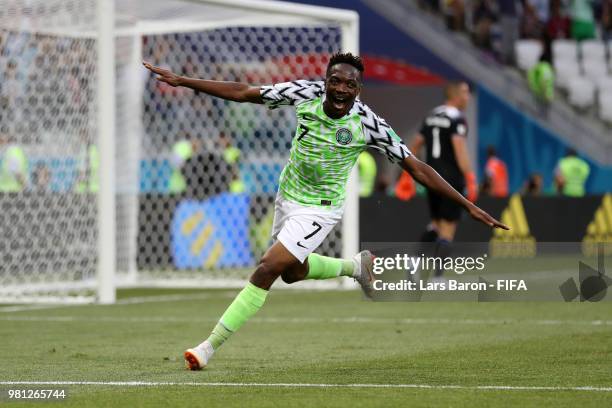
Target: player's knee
269, 268
291, 275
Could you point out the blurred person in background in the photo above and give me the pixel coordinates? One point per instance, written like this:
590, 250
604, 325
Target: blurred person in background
484, 16
496, 175
367, 174
88, 180
405, 187
606, 20
454, 12
206, 172
531, 25
181, 152
431, 5
384, 184
509, 24
583, 19
533, 185
558, 25
571, 174
542, 9
14, 170
541, 77
41, 178
231, 155
443, 134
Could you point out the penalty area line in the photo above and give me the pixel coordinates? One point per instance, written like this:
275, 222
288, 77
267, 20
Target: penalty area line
307, 385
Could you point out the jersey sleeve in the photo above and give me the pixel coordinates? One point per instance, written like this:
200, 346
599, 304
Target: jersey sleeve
459, 127
423, 128
290, 93
380, 136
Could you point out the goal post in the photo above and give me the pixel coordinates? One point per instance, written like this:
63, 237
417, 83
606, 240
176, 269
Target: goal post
150, 185
107, 239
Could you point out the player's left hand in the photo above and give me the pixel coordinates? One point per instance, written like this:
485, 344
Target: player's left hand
479, 214
164, 75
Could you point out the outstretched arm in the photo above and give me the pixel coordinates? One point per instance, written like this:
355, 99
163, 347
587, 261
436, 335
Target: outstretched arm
427, 176
231, 91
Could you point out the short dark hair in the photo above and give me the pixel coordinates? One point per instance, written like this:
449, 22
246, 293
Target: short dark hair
345, 58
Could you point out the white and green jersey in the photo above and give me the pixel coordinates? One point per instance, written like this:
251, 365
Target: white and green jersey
324, 150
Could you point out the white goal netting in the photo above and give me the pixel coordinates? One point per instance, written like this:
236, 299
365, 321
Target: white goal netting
195, 176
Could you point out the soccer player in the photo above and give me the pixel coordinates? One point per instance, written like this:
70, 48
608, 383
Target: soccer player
444, 133
333, 127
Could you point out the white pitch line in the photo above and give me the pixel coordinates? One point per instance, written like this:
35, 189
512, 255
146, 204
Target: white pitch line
127, 301
25, 308
305, 320
162, 298
306, 385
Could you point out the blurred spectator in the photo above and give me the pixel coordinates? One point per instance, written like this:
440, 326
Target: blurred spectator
533, 186
541, 77
484, 15
405, 188
433, 5
606, 20
558, 25
542, 9
367, 174
231, 155
583, 20
454, 12
509, 29
531, 25
571, 174
41, 178
496, 175
14, 169
383, 184
88, 180
182, 151
206, 173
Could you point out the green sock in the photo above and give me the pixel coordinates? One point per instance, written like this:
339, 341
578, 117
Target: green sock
245, 305
324, 267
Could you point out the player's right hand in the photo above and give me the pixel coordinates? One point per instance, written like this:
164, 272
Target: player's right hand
481, 215
165, 75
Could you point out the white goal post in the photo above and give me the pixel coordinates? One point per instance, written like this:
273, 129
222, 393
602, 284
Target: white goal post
126, 182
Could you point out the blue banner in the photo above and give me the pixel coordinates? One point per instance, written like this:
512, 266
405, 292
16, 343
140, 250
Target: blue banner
526, 147
212, 234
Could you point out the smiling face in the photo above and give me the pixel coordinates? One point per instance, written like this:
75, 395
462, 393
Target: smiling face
342, 86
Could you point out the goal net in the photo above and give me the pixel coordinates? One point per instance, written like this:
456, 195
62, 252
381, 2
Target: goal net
109, 177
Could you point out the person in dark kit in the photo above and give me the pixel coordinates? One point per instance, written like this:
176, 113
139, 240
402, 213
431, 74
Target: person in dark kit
443, 134
207, 174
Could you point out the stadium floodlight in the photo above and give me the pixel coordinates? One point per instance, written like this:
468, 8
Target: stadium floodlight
100, 202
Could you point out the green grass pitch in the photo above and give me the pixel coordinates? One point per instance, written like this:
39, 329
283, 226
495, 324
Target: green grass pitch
313, 337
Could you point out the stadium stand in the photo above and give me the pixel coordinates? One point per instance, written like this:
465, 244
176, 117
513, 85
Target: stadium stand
582, 64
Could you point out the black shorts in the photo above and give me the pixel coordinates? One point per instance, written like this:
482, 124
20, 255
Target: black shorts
444, 208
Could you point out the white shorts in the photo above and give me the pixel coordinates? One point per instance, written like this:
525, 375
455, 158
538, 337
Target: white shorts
301, 229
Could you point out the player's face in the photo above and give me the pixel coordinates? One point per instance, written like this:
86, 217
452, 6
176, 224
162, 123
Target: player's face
463, 96
342, 86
